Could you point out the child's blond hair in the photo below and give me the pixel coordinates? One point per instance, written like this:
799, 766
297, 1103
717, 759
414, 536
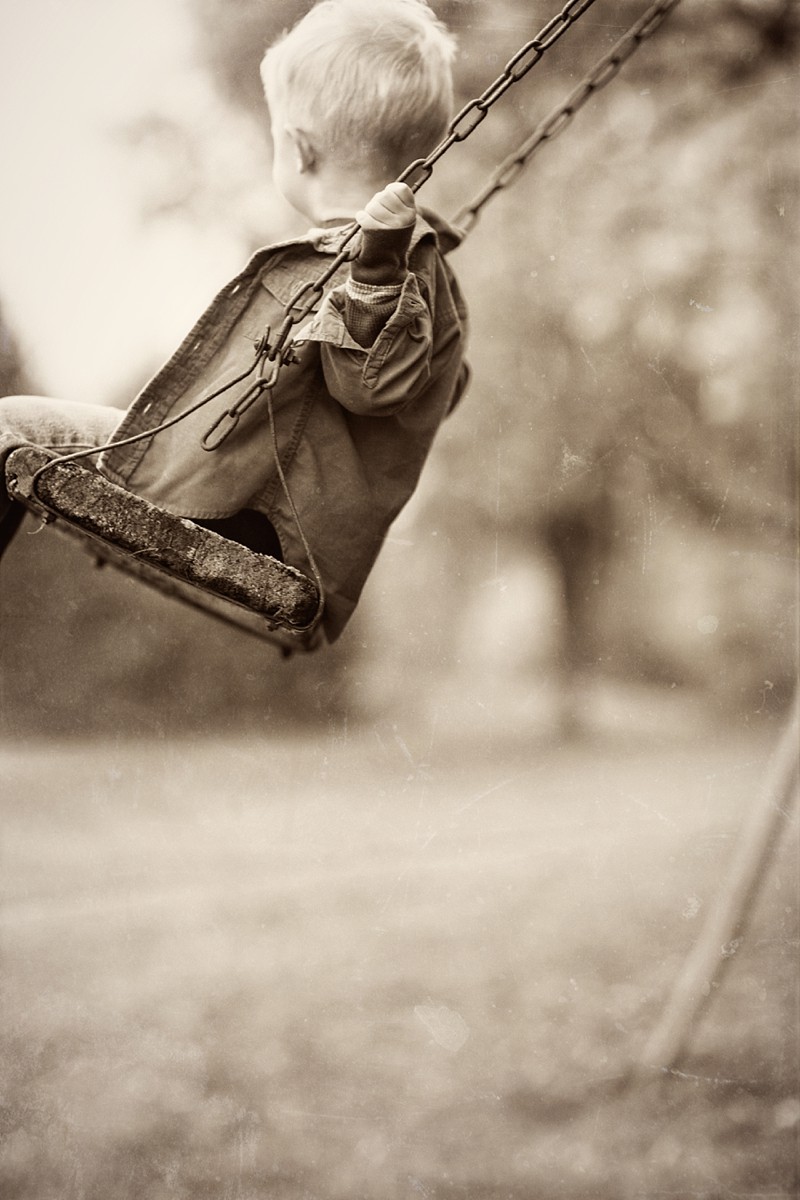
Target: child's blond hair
371, 79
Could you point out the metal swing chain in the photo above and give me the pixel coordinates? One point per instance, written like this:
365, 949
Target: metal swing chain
473, 113
601, 73
304, 301
306, 298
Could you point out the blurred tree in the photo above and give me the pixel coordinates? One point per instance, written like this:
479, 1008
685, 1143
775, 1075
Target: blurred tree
634, 321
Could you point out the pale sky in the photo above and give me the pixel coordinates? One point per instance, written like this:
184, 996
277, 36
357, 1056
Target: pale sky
94, 293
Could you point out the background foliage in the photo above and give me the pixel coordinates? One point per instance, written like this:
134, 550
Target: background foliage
616, 494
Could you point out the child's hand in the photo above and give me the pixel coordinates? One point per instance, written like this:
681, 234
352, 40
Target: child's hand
387, 228
393, 208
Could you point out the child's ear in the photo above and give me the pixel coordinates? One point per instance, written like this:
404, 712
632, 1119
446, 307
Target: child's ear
305, 154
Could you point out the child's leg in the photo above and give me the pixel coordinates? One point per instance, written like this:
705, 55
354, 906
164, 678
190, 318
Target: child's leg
54, 424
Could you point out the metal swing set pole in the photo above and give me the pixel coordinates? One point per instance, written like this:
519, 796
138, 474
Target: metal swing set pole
725, 925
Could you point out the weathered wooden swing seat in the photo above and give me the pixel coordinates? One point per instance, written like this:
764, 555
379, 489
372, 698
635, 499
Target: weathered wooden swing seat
252, 591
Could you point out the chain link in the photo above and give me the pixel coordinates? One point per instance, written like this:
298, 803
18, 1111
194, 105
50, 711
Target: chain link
472, 114
280, 351
601, 73
225, 424
305, 300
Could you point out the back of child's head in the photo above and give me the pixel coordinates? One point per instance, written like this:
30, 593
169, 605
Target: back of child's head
370, 79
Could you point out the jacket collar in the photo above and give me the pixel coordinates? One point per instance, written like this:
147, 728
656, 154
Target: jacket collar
330, 239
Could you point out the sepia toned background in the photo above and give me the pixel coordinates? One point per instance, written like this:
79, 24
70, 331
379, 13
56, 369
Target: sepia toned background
395, 919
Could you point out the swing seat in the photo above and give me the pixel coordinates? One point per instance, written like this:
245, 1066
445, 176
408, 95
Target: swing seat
252, 591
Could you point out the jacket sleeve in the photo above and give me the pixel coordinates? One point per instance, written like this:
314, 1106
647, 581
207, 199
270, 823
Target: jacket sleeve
377, 275
383, 376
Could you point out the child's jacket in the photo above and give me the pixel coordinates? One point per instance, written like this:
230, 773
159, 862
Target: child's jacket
354, 425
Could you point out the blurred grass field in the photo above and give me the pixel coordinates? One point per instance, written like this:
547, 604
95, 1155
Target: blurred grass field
378, 965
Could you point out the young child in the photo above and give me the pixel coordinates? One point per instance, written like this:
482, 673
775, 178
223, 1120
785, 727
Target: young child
356, 90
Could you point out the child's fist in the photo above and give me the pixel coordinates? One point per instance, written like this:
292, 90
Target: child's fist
393, 208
